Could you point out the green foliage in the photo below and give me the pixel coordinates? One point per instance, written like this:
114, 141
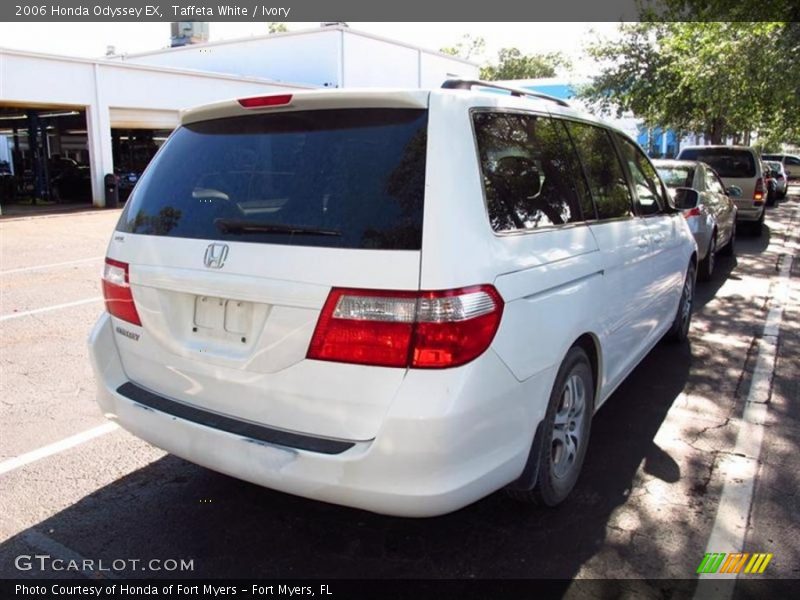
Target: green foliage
277, 27
510, 62
513, 64
715, 78
468, 48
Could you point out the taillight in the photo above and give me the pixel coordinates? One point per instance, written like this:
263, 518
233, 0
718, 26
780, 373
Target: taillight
692, 212
426, 330
261, 101
758, 195
117, 292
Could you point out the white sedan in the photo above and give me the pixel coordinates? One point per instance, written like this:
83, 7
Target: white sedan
711, 217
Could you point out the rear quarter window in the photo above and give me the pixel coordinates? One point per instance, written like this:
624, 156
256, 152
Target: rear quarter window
336, 178
528, 176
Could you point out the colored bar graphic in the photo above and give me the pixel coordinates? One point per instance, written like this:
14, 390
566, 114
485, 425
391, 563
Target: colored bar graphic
720, 562
758, 563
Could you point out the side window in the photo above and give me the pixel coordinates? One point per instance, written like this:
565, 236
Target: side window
713, 184
649, 194
792, 161
610, 191
525, 171
578, 179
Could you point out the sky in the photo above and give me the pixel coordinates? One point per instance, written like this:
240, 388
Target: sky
91, 39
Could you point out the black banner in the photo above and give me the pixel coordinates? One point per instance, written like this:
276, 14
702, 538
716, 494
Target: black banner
361, 10
392, 589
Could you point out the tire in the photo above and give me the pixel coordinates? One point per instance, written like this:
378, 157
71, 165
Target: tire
679, 331
706, 270
730, 248
756, 228
565, 433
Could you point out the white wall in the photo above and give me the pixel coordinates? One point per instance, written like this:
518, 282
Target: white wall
330, 57
436, 69
373, 63
142, 95
311, 58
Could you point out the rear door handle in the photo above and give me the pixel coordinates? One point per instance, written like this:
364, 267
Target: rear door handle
642, 242
658, 239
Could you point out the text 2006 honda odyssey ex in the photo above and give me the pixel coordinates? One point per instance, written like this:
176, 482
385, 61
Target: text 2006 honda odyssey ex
395, 300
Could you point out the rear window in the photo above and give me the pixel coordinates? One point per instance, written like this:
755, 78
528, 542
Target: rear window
727, 162
675, 177
334, 178
776, 157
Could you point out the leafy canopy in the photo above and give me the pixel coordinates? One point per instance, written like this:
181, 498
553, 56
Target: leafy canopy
715, 78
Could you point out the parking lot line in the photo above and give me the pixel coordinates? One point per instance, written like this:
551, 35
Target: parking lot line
49, 308
740, 467
56, 447
51, 265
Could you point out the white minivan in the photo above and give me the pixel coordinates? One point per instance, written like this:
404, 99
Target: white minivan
400, 301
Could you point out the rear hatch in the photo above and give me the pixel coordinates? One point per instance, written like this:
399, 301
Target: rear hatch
238, 230
736, 166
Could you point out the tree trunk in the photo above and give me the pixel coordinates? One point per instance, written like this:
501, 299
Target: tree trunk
716, 130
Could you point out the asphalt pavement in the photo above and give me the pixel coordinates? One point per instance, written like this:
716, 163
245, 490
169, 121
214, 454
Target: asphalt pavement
662, 458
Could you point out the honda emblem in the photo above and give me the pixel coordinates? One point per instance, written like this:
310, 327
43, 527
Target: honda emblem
216, 255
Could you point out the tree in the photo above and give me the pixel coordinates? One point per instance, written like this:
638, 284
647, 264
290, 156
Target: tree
715, 78
277, 27
469, 47
513, 64
510, 63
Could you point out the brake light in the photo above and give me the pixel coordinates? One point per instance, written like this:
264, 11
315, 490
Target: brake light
692, 212
261, 101
117, 292
425, 330
758, 195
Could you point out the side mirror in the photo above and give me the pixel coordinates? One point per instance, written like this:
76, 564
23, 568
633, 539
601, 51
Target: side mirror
734, 191
685, 198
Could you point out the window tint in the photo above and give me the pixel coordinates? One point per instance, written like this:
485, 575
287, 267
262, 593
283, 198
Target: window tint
338, 178
713, 184
603, 170
527, 175
776, 157
728, 162
675, 177
649, 193
578, 179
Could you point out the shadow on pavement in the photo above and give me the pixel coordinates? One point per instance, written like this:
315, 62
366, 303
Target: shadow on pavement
173, 509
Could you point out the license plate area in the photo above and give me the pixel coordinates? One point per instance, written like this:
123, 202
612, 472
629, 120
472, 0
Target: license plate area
222, 318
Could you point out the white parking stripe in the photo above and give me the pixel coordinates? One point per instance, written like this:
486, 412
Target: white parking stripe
36, 311
51, 265
65, 444
740, 467
56, 550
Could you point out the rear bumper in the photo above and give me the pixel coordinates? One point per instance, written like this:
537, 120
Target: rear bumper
448, 439
747, 212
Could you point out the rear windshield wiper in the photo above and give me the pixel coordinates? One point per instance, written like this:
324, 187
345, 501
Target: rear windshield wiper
244, 226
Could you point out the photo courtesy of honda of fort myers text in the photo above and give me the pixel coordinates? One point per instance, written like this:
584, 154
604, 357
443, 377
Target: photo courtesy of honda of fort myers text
352, 300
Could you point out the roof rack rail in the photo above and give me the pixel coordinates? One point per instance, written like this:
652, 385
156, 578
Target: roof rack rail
468, 84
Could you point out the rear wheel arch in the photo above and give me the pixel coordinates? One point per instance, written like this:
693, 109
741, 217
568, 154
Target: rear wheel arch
521, 488
591, 345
